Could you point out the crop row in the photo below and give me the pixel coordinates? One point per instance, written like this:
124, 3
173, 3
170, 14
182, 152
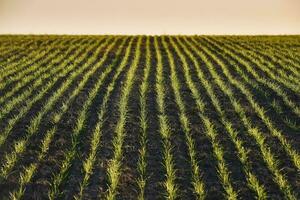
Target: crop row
226, 111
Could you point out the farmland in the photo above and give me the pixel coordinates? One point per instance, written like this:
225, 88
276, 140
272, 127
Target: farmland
149, 117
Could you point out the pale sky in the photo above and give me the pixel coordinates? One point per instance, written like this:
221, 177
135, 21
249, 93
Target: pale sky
150, 16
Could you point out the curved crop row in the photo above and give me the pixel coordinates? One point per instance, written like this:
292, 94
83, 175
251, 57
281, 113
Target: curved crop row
260, 110
147, 117
29, 102
252, 129
20, 146
198, 184
29, 171
253, 182
89, 162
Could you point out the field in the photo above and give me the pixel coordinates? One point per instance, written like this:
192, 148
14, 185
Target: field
149, 117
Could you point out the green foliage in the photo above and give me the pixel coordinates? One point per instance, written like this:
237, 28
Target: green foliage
239, 95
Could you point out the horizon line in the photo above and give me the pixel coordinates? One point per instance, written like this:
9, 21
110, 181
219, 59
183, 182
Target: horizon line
144, 34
